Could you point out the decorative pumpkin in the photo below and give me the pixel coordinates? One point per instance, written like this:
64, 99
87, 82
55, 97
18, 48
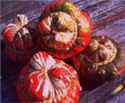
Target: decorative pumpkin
54, 26
65, 30
48, 80
102, 60
18, 39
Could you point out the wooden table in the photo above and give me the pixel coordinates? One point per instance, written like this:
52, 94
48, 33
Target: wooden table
108, 17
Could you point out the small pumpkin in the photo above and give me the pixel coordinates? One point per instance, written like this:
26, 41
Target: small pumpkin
69, 24
102, 60
18, 39
59, 31
48, 80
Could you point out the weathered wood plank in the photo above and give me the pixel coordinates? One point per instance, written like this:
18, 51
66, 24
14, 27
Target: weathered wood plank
103, 93
108, 17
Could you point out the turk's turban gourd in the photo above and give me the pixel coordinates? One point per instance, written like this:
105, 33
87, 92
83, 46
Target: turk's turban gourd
65, 30
48, 80
18, 39
103, 58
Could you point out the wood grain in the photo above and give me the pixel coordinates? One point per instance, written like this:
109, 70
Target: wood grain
108, 17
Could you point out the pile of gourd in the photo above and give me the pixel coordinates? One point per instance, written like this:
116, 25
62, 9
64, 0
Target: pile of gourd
63, 33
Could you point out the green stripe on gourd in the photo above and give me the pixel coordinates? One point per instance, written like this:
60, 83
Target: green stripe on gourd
67, 7
84, 26
87, 29
73, 10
